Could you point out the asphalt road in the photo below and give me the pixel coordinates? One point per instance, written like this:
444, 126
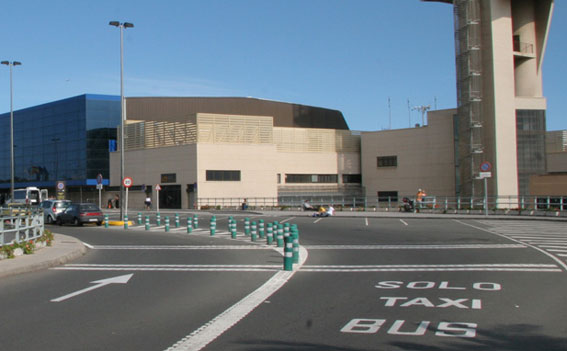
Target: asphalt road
366, 284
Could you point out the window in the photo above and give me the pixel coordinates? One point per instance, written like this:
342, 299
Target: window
169, 178
387, 161
352, 178
223, 176
387, 196
312, 178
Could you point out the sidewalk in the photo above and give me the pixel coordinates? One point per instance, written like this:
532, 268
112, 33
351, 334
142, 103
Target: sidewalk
64, 249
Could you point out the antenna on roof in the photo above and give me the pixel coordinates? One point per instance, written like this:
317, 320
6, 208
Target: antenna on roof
389, 114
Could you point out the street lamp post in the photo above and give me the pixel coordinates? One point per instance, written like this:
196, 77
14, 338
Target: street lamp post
11, 64
122, 26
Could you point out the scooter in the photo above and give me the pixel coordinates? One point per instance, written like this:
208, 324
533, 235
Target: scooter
407, 205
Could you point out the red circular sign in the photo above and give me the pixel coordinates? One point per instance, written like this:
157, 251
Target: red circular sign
127, 182
485, 166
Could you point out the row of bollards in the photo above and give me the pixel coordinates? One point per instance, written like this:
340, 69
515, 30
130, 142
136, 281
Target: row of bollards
285, 235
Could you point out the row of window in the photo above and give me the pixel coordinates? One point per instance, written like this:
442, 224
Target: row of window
230, 175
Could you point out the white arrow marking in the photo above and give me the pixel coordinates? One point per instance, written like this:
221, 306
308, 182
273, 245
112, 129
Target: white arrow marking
123, 279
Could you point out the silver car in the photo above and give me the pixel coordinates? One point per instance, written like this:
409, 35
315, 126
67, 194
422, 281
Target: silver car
52, 208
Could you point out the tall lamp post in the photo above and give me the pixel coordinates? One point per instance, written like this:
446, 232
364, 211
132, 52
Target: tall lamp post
122, 26
11, 64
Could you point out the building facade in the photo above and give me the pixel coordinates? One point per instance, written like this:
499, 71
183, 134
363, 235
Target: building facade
500, 47
66, 140
202, 158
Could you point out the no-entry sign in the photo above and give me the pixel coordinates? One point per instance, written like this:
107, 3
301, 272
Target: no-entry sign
127, 182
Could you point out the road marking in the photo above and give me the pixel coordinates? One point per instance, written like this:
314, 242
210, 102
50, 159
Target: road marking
510, 237
123, 279
182, 247
415, 247
317, 220
204, 335
436, 268
404, 222
88, 245
287, 219
169, 268
366, 221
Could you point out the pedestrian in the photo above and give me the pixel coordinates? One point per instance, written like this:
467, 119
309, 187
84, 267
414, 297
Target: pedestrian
116, 201
244, 205
307, 206
148, 202
109, 203
419, 197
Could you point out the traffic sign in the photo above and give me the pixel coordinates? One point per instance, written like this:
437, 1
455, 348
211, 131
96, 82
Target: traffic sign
485, 166
158, 187
99, 179
127, 182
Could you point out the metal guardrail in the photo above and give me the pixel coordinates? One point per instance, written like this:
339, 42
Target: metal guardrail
20, 224
431, 203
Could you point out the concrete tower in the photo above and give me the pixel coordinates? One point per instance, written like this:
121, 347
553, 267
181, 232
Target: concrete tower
500, 46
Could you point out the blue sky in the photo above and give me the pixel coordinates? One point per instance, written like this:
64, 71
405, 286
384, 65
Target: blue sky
347, 55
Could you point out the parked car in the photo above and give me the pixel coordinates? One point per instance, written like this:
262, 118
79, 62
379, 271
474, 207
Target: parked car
52, 208
80, 213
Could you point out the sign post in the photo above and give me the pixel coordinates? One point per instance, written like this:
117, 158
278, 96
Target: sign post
485, 173
127, 182
158, 188
99, 187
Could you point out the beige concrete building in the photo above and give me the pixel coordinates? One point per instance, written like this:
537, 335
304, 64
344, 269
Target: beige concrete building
396, 163
209, 159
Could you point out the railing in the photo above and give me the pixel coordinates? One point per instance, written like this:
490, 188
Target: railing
20, 224
439, 204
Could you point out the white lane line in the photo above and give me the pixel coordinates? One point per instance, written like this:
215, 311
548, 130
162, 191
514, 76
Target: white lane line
415, 247
450, 269
227, 319
561, 263
366, 221
317, 220
170, 269
287, 219
182, 247
88, 245
404, 222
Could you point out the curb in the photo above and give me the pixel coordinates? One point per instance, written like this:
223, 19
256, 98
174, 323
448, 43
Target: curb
65, 249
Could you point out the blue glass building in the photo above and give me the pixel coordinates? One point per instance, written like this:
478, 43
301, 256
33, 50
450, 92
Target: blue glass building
66, 140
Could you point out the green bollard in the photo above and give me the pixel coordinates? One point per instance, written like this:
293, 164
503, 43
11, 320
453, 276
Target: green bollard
158, 219
270, 234
253, 232
139, 218
261, 230
246, 226
230, 224
106, 221
288, 254
177, 220
233, 229
286, 230
147, 220
195, 222
280, 236
213, 225
167, 223
189, 225
125, 221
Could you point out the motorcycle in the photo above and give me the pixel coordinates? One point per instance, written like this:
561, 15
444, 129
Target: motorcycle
407, 205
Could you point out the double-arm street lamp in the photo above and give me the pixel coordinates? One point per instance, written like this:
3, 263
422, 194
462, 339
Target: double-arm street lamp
122, 26
11, 64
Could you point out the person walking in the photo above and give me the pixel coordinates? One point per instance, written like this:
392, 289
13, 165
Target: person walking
148, 202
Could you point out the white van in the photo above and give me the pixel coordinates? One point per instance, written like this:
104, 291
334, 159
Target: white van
29, 196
